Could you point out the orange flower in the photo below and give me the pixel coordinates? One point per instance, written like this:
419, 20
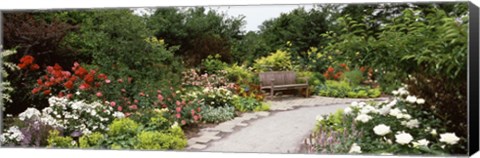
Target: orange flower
330, 69
46, 92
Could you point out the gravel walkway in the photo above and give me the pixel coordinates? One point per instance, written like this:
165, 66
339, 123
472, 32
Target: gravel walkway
281, 130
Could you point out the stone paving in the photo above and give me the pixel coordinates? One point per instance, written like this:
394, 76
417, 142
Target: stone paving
211, 134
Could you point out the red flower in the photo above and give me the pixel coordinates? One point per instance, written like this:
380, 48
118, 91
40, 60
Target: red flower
69, 96
102, 76
330, 69
27, 60
119, 108
46, 92
61, 94
34, 67
81, 72
343, 65
68, 84
39, 82
57, 67
99, 94
22, 66
113, 103
84, 86
36, 90
362, 69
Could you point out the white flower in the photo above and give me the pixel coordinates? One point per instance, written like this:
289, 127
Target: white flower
347, 111
361, 104
384, 110
449, 138
420, 101
406, 116
93, 113
30, 113
175, 124
412, 123
319, 118
355, 148
77, 93
403, 138
411, 99
395, 112
363, 118
118, 114
354, 104
395, 92
422, 142
381, 129
433, 132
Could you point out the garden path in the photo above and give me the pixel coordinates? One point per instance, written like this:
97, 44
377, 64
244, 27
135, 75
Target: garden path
281, 130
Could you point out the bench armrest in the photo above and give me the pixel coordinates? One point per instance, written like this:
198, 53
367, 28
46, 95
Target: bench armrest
305, 79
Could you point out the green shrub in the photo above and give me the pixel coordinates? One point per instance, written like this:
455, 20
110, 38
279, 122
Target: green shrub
55, 140
93, 140
278, 61
123, 127
263, 107
217, 114
156, 140
239, 74
354, 77
342, 89
212, 64
245, 104
177, 131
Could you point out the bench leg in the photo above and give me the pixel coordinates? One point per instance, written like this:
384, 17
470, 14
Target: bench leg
271, 93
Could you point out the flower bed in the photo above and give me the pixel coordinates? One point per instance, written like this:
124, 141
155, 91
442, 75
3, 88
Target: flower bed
397, 126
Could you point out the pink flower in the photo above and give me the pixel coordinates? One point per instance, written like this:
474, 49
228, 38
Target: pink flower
160, 97
178, 115
135, 101
133, 107
184, 122
127, 114
195, 117
120, 81
193, 112
107, 81
99, 94
179, 109
178, 103
119, 108
113, 103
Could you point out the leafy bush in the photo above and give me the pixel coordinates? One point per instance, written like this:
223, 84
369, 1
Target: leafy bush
156, 140
123, 127
93, 140
247, 104
55, 140
354, 77
6, 87
239, 74
342, 89
277, 61
213, 64
218, 114
250, 91
263, 107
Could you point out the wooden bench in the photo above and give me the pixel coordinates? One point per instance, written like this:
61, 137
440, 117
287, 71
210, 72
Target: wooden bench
281, 80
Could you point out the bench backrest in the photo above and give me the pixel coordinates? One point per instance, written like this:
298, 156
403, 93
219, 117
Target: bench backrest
280, 77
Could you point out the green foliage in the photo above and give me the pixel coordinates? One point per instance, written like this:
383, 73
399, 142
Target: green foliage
57, 141
239, 74
198, 33
343, 89
149, 140
250, 47
93, 140
263, 107
277, 61
335, 121
354, 77
6, 87
247, 104
213, 64
219, 114
123, 127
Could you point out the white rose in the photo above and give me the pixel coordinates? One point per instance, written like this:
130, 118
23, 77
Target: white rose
395, 112
449, 138
411, 99
422, 142
403, 138
381, 129
347, 110
412, 124
363, 118
420, 101
355, 148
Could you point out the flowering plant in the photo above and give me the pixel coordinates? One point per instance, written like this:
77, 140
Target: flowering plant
396, 126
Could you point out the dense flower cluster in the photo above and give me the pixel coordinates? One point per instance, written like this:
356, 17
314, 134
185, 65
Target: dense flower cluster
27, 62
